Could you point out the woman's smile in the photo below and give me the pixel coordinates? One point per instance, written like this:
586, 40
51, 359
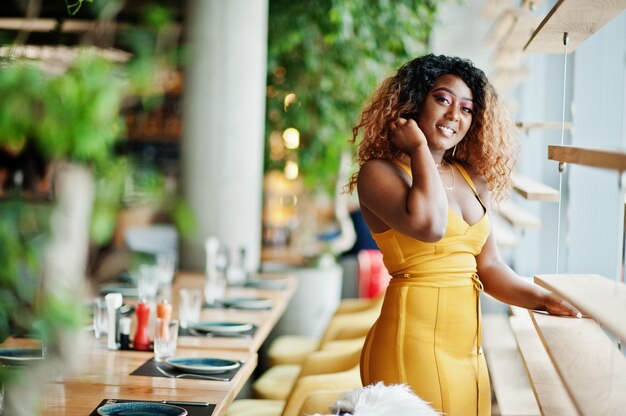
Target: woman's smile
446, 130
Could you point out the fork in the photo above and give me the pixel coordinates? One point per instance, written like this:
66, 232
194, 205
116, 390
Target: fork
218, 334
189, 375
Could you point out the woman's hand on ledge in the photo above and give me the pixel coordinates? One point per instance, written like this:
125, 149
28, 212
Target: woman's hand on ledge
556, 306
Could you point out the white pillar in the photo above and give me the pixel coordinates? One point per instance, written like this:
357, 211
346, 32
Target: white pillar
224, 119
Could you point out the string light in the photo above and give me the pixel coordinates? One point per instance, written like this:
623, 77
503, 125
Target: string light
290, 99
291, 170
291, 137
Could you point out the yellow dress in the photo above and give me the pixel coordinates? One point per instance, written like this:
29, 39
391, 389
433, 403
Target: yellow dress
428, 332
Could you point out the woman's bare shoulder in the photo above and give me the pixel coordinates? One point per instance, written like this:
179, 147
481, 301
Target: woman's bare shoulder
373, 168
379, 175
479, 180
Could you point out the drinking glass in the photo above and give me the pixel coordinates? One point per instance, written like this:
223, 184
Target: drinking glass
100, 320
165, 268
147, 282
165, 338
189, 305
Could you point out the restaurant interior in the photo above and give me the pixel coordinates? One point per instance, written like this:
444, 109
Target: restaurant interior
177, 238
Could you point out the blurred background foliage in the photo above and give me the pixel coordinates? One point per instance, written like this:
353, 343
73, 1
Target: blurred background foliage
46, 119
331, 54
50, 116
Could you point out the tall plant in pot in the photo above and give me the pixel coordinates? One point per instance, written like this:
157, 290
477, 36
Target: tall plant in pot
66, 124
59, 121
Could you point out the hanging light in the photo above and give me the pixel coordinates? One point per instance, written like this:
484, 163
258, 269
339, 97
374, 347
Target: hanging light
291, 170
289, 99
291, 137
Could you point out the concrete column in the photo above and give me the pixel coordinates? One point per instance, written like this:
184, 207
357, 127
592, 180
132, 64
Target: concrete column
224, 119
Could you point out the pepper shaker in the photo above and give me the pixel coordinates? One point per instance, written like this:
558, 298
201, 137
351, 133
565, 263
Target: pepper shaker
142, 339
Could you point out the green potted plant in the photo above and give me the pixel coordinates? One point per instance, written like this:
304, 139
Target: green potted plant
71, 120
59, 127
324, 60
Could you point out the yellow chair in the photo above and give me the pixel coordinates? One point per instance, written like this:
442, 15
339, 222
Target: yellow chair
358, 305
320, 402
277, 382
346, 332
302, 395
309, 385
320, 363
293, 349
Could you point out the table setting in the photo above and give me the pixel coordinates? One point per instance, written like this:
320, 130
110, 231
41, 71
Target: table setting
201, 368
117, 407
133, 349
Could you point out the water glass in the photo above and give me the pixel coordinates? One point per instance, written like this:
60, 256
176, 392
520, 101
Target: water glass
189, 305
214, 288
100, 320
165, 338
147, 282
165, 265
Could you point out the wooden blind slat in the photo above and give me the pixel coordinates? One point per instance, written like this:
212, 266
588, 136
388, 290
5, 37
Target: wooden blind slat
594, 295
579, 18
552, 398
588, 362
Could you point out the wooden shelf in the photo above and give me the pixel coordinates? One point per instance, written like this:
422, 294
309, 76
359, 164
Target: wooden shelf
589, 364
594, 295
551, 395
506, 369
598, 158
523, 27
530, 4
500, 27
493, 8
579, 18
517, 217
506, 58
505, 79
504, 238
65, 26
533, 190
546, 125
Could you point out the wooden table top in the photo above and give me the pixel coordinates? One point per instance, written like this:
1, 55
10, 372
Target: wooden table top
102, 374
264, 320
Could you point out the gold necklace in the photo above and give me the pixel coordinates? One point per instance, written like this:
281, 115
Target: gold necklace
450, 170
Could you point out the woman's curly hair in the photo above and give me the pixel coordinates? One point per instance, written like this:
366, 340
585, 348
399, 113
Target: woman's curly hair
490, 145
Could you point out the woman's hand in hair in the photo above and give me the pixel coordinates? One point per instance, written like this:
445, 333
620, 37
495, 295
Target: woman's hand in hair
407, 136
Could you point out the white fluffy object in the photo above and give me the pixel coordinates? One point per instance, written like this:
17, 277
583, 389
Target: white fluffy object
381, 400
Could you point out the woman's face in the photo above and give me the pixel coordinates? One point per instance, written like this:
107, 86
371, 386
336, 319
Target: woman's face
447, 113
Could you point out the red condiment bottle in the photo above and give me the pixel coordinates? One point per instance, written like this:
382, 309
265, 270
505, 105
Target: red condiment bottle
142, 338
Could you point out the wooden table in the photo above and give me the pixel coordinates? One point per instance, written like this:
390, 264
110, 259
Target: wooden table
105, 374
264, 320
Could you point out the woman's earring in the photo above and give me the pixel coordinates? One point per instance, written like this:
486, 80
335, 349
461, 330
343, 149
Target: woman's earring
454, 150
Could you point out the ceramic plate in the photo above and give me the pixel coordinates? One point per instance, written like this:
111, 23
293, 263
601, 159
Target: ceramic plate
221, 327
247, 303
141, 409
20, 355
267, 283
126, 290
203, 365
